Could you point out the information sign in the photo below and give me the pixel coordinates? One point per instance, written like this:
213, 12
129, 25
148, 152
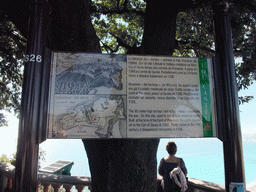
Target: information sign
130, 96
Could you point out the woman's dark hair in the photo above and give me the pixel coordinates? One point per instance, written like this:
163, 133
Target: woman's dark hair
171, 148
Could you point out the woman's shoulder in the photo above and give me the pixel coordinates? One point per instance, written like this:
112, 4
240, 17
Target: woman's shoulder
171, 160
180, 159
162, 162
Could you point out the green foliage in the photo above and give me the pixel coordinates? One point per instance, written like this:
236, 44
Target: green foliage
12, 46
194, 33
244, 27
195, 37
41, 157
118, 24
3, 121
5, 159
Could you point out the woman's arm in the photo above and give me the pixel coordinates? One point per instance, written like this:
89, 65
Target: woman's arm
161, 167
183, 167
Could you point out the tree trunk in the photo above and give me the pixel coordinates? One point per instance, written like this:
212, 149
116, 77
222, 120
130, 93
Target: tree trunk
122, 164
71, 27
117, 164
160, 27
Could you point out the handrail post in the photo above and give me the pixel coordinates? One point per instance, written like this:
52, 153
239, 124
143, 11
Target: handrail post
227, 97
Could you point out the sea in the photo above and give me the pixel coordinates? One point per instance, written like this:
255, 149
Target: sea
203, 157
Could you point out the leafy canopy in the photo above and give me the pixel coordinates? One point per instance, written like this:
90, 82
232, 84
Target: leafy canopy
119, 25
5, 159
12, 46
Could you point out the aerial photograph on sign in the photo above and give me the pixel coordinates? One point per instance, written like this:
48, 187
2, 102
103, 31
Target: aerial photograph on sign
81, 75
98, 116
130, 96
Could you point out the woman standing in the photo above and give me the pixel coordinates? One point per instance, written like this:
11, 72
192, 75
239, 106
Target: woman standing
167, 164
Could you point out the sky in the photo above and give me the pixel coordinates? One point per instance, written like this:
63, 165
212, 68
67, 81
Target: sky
247, 114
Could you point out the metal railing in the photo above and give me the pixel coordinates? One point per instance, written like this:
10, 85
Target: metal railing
55, 183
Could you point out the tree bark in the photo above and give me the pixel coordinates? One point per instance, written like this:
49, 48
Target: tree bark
122, 164
160, 27
71, 27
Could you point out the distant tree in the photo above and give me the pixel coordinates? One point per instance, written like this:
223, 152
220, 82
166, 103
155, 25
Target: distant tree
5, 159
41, 157
12, 47
3, 121
163, 27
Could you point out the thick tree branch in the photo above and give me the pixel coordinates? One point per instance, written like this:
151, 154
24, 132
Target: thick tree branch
7, 51
194, 45
109, 48
125, 3
160, 27
192, 4
121, 42
119, 11
16, 38
131, 49
17, 12
195, 3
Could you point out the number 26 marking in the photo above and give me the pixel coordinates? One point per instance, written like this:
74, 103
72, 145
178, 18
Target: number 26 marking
33, 58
